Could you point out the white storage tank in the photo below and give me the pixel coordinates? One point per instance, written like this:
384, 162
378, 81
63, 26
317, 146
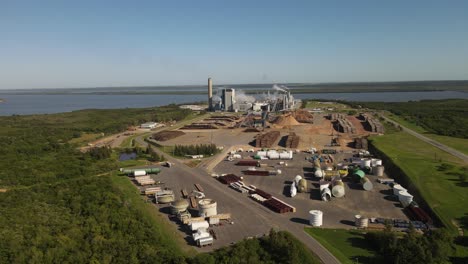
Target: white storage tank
360, 221
378, 170
325, 193
315, 218
194, 226
179, 206
366, 184
366, 163
207, 207
397, 188
139, 173
318, 173
376, 162
324, 184
405, 198
297, 179
293, 190
338, 189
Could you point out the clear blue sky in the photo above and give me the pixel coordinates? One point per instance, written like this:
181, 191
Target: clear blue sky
52, 44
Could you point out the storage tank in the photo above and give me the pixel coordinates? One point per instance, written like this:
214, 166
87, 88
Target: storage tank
405, 198
338, 188
318, 173
302, 187
179, 206
293, 190
315, 218
167, 198
376, 162
359, 174
343, 173
324, 184
361, 222
378, 170
297, 179
397, 188
317, 163
366, 163
153, 170
207, 207
325, 193
199, 225
366, 184
139, 173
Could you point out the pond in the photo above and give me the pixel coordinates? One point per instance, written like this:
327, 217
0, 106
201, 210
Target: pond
127, 156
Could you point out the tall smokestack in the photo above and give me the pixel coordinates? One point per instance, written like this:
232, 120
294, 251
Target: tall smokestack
210, 94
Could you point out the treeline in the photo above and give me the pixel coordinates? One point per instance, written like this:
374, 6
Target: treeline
434, 246
199, 149
442, 117
276, 247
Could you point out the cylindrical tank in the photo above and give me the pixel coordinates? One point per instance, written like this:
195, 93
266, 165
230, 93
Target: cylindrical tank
302, 186
293, 190
397, 188
376, 162
317, 163
315, 218
338, 189
361, 222
405, 198
207, 207
318, 173
366, 163
328, 168
153, 170
325, 194
139, 173
297, 179
324, 184
378, 170
166, 198
366, 184
343, 173
197, 225
359, 174
179, 206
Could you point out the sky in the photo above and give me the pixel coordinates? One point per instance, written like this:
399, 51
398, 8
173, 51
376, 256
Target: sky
68, 44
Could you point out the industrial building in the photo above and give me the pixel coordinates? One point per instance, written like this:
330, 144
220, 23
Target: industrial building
230, 101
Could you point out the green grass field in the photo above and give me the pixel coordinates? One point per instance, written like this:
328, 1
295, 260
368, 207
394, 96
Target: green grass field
442, 190
460, 144
348, 246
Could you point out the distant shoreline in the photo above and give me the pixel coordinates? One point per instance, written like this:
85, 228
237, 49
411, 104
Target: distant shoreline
296, 88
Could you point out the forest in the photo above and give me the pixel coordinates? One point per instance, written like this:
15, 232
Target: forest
442, 117
59, 205
199, 149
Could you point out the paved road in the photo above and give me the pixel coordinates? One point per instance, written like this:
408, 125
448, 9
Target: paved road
436, 144
251, 209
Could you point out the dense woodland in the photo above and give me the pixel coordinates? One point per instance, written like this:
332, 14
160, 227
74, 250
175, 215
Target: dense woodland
442, 117
64, 206
199, 149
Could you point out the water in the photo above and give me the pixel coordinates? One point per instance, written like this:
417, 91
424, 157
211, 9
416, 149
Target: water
23, 104
127, 156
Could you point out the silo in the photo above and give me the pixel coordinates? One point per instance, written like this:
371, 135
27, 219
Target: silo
293, 190
318, 173
207, 207
179, 206
366, 184
405, 198
297, 179
338, 188
378, 170
397, 188
315, 218
361, 222
302, 186
325, 193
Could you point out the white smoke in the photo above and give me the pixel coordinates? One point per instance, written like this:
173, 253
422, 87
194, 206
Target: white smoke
278, 88
241, 97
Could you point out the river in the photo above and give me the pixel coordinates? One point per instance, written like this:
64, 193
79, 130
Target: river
25, 104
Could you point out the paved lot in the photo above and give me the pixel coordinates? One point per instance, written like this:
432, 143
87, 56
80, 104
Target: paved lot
339, 212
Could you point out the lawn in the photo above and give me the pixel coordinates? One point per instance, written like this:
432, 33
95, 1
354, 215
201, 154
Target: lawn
442, 190
460, 144
348, 246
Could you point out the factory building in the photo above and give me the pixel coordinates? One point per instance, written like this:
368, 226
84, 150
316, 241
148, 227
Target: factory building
229, 99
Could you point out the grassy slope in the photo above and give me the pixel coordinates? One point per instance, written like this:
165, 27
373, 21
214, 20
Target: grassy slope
442, 191
346, 245
459, 144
